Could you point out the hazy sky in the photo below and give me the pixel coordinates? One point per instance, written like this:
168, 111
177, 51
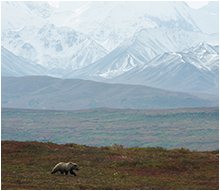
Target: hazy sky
192, 4
196, 4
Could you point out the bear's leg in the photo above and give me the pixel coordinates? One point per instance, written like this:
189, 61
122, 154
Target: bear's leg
61, 172
54, 171
66, 172
71, 172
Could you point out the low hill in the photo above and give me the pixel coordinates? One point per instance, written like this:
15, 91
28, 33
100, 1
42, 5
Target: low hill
194, 128
41, 92
28, 166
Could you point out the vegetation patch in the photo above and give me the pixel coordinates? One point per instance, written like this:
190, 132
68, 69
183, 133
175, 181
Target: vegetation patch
28, 165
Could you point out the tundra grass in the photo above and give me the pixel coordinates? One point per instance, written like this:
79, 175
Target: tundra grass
28, 165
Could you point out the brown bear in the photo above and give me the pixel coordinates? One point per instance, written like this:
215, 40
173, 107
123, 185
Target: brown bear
65, 167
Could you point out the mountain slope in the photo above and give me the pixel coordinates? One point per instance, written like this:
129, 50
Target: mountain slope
195, 70
53, 93
12, 65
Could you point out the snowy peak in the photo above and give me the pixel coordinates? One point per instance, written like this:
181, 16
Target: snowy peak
120, 20
207, 55
118, 13
117, 21
141, 48
203, 47
188, 71
104, 18
53, 47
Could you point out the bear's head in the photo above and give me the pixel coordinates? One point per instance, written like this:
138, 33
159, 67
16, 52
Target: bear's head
73, 166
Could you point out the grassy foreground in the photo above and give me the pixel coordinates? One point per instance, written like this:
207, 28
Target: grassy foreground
28, 165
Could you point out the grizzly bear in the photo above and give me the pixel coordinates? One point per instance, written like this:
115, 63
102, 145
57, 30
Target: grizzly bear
65, 167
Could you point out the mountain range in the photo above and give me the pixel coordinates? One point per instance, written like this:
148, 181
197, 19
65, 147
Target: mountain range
110, 22
159, 44
194, 70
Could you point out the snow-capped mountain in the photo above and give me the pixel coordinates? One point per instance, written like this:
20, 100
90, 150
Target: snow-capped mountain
195, 70
109, 23
53, 47
63, 50
116, 21
141, 48
207, 55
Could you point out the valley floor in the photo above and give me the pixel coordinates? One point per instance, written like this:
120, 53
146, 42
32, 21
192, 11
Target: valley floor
192, 128
28, 165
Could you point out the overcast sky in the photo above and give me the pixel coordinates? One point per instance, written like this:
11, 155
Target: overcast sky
196, 4
192, 4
